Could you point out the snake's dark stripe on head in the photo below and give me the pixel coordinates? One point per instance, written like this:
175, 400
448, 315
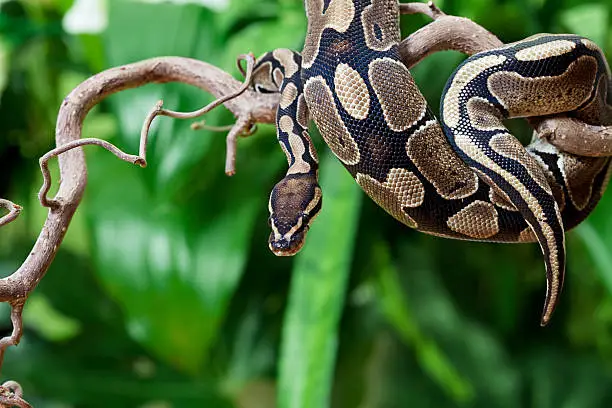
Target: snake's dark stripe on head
467, 179
296, 200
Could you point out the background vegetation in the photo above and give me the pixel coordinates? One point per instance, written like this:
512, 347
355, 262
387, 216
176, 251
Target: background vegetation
164, 293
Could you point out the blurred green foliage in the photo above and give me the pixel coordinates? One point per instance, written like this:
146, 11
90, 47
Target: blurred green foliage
164, 293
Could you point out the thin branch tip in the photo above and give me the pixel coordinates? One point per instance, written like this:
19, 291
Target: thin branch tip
561, 131
435, 11
242, 127
14, 210
429, 9
202, 125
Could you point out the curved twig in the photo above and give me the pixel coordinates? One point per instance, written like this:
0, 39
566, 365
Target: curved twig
250, 59
429, 9
13, 209
73, 172
44, 163
260, 108
202, 125
15, 337
11, 395
16, 287
141, 158
242, 126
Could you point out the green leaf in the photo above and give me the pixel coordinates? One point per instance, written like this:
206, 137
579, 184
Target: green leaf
5, 57
177, 258
598, 250
589, 20
471, 347
596, 234
189, 32
431, 357
316, 299
174, 267
47, 321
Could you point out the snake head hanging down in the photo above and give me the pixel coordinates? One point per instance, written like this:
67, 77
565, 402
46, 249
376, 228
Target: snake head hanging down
295, 201
468, 178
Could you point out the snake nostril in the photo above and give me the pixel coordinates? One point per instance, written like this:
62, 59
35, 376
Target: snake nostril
280, 244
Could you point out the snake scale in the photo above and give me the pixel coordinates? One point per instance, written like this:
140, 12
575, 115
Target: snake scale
466, 178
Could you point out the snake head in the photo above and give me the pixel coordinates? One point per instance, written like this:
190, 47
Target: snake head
294, 203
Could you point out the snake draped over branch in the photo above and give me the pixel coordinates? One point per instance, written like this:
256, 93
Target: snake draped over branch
465, 177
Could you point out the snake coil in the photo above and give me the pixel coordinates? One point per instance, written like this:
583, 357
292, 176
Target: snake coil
466, 178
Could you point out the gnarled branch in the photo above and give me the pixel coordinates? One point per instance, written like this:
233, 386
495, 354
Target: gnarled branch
15, 288
259, 108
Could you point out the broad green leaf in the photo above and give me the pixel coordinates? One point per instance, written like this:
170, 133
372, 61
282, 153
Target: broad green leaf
475, 352
188, 33
175, 259
185, 254
432, 359
596, 234
48, 322
589, 20
316, 298
5, 56
599, 251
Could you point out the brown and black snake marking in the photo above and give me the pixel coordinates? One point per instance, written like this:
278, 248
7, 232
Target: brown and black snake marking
467, 179
535, 77
296, 200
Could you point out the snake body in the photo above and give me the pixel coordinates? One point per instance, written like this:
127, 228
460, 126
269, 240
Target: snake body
468, 178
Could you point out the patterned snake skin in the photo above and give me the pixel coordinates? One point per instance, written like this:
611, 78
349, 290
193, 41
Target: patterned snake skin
468, 178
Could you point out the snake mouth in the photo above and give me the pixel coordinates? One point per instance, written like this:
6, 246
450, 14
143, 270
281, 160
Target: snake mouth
287, 247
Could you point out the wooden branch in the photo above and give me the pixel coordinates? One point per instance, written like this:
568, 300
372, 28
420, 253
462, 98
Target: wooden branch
11, 395
13, 339
258, 107
563, 132
446, 33
13, 209
16, 288
429, 9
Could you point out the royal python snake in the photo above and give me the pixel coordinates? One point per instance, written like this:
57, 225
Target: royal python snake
467, 178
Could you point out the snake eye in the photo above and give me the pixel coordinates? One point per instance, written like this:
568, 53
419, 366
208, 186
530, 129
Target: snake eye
293, 204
